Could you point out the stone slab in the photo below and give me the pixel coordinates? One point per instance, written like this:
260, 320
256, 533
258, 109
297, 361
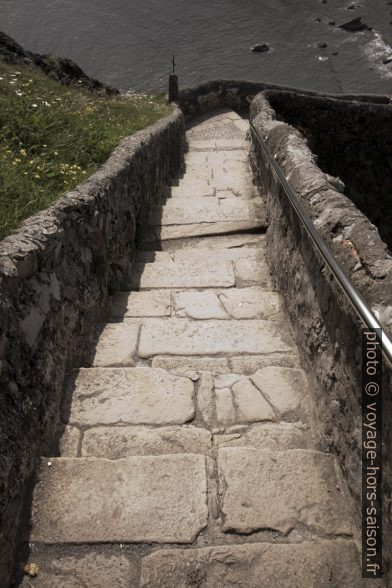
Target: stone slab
205, 399
140, 304
69, 441
199, 305
285, 389
95, 570
217, 365
182, 274
213, 228
186, 337
225, 412
215, 255
192, 188
266, 436
116, 345
185, 211
137, 499
257, 565
139, 395
218, 242
248, 364
252, 302
119, 442
250, 272
251, 406
266, 489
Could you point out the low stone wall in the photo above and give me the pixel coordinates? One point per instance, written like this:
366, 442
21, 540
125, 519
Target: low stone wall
328, 333
238, 95
355, 144
56, 273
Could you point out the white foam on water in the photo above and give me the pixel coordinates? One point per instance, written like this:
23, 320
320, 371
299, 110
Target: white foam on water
376, 51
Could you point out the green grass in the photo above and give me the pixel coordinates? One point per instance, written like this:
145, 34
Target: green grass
52, 137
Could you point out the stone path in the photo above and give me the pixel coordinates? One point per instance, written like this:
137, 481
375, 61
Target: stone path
187, 457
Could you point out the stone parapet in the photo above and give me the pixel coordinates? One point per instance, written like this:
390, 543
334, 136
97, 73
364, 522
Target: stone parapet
56, 273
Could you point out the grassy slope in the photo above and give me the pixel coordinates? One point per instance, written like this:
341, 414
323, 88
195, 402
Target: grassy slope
53, 136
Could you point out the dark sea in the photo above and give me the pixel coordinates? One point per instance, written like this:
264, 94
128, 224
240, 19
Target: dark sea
129, 43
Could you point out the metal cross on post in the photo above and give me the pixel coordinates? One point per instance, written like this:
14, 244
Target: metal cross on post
173, 83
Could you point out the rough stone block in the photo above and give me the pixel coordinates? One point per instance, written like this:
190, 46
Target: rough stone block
217, 365
139, 395
285, 389
199, 305
258, 565
266, 436
140, 304
252, 302
182, 274
116, 345
251, 406
158, 499
95, 570
119, 442
265, 489
248, 364
249, 272
224, 406
69, 442
185, 337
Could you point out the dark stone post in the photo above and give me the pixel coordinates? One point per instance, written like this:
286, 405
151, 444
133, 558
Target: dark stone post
173, 88
173, 84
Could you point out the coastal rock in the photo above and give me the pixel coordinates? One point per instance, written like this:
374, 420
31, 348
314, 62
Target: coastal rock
262, 48
63, 70
355, 25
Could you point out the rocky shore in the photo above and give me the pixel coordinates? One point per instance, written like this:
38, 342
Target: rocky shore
64, 70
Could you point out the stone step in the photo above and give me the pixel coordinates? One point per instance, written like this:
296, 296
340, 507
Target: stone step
80, 567
141, 395
237, 303
218, 242
282, 491
271, 394
120, 442
258, 565
184, 211
181, 274
177, 336
161, 499
203, 270
176, 218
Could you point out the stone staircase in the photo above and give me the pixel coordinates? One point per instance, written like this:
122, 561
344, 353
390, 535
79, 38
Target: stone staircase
187, 456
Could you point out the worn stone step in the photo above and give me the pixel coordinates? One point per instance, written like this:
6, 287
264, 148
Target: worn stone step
119, 442
282, 490
218, 242
177, 217
185, 337
139, 304
141, 395
278, 437
80, 567
183, 211
158, 499
181, 274
271, 394
257, 565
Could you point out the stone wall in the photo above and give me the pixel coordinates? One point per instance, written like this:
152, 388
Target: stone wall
354, 144
56, 272
328, 332
238, 95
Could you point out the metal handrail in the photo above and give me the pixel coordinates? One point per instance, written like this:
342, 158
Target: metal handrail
355, 298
